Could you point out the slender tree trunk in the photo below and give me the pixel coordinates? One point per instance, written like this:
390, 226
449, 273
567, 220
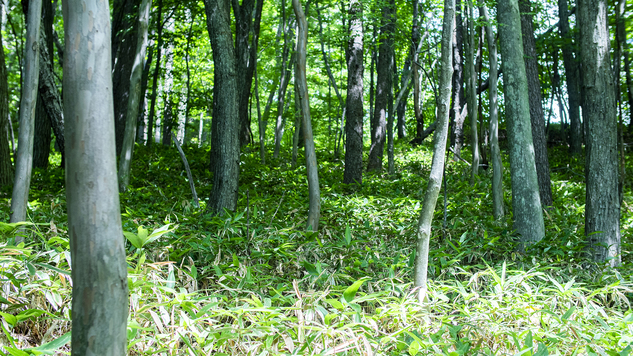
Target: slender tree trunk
620, 39
284, 80
225, 149
372, 91
629, 81
297, 132
185, 137
302, 90
415, 38
471, 93
354, 124
30, 80
572, 77
134, 97
402, 104
439, 151
384, 89
537, 118
99, 270
602, 209
124, 28
140, 132
526, 204
457, 104
6, 168
159, 48
497, 166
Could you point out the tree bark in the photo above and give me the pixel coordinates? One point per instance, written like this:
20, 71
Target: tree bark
225, 149
537, 118
134, 97
354, 124
30, 79
124, 37
439, 152
384, 87
280, 122
526, 204
159, 49
471, 94
457, 104
6, 168
99, 269
602, 209
497, 166
572, 77
302, 90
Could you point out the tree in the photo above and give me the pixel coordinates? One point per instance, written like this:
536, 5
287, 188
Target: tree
354, 123
457, 104
134, 96
99, 269
526, 204
537, 119
302, 90
159, 50
225, 149
6, 168
384, 85
439, 152
572, 77
602, 209
497, 166
24, 159
471, 92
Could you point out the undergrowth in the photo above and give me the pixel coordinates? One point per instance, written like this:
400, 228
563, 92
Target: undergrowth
254, 282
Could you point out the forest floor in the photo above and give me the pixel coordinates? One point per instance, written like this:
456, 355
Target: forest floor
254, 282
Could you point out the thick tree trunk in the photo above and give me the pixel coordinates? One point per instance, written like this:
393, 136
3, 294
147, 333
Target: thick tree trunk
302, 90
41, 136
439, 152
471, 94
384, 88
225, 149
537, 118
573, 78
497, 166
30, 79
355, 112
99, 270
246, 39
602, 209
526, 204
124, 28
6, 168
134, 98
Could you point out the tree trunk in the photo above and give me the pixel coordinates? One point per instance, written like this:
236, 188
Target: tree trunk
41, 136
401, 108
247, 24
280, 122
6, 168
302, 89
99, 269
620, 40
159, 49
602, 209
225, 149
572, 77
471, 93
439, 151
526, 204
185, 137
497, 166
384, 88
457, 104
372, 91
124, 28
127, 149
537, 119
140, 132
354, 123
30, 79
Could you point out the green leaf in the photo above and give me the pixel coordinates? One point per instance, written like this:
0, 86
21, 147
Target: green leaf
335, 304
142, 234
49, 348
236, 261
134, 239
52, 268
350, 292
158, 233
16, 352
348, 236
568, 313
29, 313
414, 348
310, 268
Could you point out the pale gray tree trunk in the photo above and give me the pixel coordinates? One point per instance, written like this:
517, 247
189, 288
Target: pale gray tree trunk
99, 270
301, 82
30, 81
354, 124
526, 203
6, 168
471, 92
497, 166
439, 152
602, 207
225, 147
127, 149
